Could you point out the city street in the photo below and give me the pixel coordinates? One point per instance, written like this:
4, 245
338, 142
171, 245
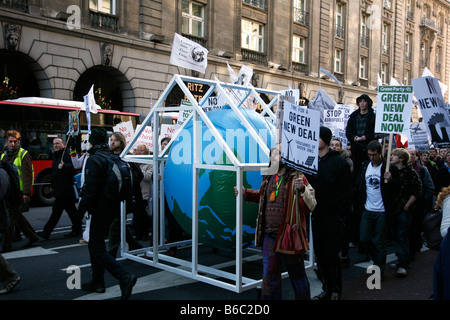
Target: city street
44, 276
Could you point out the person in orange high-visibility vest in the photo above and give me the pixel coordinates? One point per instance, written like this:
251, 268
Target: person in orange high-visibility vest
21, 158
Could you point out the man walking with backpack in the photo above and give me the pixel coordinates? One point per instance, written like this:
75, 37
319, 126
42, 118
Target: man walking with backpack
102, 211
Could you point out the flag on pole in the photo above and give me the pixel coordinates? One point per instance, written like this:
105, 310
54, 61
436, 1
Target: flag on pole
328, 73
188, 54
89, 101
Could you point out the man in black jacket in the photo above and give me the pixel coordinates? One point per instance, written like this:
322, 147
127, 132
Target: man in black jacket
376, 189
63, 191
360, 130
332, 187
102, 212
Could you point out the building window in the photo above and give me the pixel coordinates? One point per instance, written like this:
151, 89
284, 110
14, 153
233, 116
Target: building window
192, 20
364, 32
301, 16
439, 59
260, 4
105, 6
252, 36
409, 10
423, 55
384, 75
299, 49
340, 30
363, 68
408, 46
406, 77
338, 61
385, 39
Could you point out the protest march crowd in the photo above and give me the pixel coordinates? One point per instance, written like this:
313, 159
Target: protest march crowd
363, 195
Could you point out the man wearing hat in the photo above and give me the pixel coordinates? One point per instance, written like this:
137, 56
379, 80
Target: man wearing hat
332, 186
102, 212
361, 129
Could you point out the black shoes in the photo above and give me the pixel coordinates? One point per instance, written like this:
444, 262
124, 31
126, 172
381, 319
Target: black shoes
10, 285
92, 286
72, 234
30, 243
324, 295
43, 235
126, 286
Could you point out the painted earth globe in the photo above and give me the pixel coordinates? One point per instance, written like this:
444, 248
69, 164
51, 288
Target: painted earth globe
216, 197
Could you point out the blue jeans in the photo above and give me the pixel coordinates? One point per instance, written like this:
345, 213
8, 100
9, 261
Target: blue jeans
373, 234
402, 225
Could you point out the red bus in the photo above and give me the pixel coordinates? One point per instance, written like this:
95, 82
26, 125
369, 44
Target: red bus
39, 120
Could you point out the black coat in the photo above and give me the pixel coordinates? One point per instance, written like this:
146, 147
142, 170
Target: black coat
93, 197
62, 179
332, 186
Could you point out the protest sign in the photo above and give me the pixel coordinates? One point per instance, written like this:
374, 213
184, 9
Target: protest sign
146, 137
336, 120
393, 109
185, 111
418, 136
74, 123
300, 138
188, 54
295, 93
279, 114
125, 128
433, 109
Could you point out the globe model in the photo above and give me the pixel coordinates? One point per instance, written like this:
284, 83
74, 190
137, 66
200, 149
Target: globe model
217, 200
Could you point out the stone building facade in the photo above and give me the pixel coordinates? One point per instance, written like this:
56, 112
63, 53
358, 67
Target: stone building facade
58, 49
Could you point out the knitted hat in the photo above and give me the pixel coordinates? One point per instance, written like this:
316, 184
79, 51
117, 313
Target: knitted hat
98, 136
325, 135
365, 97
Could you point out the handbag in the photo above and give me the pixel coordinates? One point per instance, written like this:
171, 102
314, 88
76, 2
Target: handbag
432, 229
292, 239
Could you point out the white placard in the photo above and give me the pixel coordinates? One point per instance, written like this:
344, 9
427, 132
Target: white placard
394, 104
300, 138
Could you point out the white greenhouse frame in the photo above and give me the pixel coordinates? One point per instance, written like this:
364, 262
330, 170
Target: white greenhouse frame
193, 269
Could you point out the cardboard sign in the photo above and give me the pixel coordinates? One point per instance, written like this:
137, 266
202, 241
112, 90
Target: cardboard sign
433, 109
394, 105
125, 128
300, 138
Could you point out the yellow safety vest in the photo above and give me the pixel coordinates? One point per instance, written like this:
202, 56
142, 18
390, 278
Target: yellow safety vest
18, 163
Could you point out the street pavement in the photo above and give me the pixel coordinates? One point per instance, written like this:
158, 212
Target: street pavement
44, 274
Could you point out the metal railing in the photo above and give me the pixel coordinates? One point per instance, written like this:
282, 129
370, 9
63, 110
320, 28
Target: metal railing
301, 17
200, 40
253, 56
104, 21
21, 5
260, 4
340, 32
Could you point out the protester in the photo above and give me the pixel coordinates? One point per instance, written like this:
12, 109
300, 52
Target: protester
351, 220
332, 187
142, 218
21, 158
277, 203
422, 206
79, 162
434, 156
8, 276
409, 190
360, 129
441, 157
441, 271
102, 212
63, 190
376, 188
431, 166
117, 144
443, 174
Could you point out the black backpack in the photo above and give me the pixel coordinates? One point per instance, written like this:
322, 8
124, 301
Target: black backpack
13, 195
119, 179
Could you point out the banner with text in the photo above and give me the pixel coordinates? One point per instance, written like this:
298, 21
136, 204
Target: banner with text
394, 105
300, 138
433, 109
188, 54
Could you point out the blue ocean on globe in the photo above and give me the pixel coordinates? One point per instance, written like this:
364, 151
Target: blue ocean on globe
217, 200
